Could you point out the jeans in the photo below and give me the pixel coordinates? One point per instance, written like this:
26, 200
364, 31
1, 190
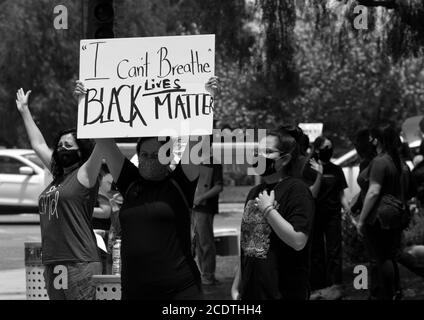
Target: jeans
71, 281
205, 243
383, 248
326, 256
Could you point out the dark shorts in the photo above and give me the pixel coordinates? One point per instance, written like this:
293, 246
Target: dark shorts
71, 281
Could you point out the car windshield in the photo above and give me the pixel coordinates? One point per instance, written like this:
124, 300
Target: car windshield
34, 158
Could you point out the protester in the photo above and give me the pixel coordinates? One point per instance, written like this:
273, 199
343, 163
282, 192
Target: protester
381, 218
327, 236
366, 153
155, 219
209, 185
66, 208
276, 224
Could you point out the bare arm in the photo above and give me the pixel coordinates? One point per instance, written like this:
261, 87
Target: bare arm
102, 212
37, 141
114, 157
344, 202
105, 149
88, 173
317, 166
369, 201
283, 228
316, 186
190, 168
286, 232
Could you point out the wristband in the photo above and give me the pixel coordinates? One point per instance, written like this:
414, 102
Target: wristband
267, 210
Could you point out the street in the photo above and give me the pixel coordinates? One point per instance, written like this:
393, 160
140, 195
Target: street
15, 230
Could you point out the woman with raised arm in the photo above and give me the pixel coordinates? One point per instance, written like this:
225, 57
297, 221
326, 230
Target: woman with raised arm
155, 219
275, 228
69, 247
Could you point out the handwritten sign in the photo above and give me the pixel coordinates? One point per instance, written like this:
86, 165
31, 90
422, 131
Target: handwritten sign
312, 130
146, 86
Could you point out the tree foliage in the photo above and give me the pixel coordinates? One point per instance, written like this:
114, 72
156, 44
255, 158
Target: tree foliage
279, 60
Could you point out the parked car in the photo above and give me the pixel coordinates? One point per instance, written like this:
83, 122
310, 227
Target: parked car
22, 179
350, 165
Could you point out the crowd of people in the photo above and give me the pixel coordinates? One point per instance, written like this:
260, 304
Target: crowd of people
291, 228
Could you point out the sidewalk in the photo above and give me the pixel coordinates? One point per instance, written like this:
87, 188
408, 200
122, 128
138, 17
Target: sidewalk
12, 284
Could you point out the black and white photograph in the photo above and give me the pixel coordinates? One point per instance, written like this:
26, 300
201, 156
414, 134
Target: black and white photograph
212, 157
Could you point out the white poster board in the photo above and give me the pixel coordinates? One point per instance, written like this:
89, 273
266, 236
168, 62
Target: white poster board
312, 130
146, 86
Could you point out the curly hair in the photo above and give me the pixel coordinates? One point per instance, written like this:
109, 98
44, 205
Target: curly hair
85, 146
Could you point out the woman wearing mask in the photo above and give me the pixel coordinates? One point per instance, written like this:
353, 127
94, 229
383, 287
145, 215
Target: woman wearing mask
327, 238
382, 237
276, 224
155, 224
66, 208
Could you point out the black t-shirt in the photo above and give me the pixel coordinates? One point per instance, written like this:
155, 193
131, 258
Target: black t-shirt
214, 176
66, 210
154, 221
270, 269
333, 182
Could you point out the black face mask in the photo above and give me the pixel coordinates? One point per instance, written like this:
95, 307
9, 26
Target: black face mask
325, 154
269, 168
67, 158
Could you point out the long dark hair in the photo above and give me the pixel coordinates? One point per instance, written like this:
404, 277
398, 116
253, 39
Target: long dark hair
366, 151
390, 142
286, 144
85, 147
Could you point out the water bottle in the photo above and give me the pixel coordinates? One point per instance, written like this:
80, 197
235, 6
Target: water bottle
116, 257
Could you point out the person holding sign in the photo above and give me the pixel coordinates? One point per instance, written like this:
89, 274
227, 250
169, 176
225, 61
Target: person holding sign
157, 262
66, 208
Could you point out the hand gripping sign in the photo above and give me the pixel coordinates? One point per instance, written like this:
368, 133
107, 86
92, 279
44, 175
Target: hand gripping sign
146, 86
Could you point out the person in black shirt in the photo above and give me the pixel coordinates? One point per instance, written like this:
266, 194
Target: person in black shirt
156, 257
209, 186
382, 237
276, 224
327, 238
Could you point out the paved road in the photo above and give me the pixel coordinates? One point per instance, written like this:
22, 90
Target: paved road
15, 230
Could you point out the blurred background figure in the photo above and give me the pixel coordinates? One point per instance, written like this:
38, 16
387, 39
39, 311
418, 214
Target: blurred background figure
106, 216
205, 206
327, 234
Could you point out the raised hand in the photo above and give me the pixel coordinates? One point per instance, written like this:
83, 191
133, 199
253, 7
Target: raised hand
79, 89
22, 99
213, 86
317, 166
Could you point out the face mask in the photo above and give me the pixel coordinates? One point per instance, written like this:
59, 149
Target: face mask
152, 169
67, 158
325, 154
270, 166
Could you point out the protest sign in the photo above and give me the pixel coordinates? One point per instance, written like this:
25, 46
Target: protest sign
312, 130
146, 86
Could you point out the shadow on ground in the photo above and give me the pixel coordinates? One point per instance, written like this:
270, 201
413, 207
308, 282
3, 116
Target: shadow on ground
412, 285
